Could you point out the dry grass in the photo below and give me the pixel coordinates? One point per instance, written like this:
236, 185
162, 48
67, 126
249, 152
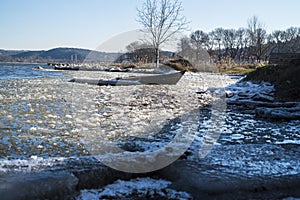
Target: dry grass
229, 66
236, 70
181, 65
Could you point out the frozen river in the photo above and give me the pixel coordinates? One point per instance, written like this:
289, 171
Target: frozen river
45, 122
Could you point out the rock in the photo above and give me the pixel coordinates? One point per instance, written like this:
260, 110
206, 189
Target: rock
202, 91
229, 94
270, 110
38, 68
279, 113
255, 104
262, 97
181, 64
232, 171
38, 185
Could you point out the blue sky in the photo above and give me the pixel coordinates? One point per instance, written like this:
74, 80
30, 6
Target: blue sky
45, 24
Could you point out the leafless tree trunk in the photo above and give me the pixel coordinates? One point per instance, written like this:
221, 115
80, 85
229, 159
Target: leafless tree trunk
162, 19
257, 36
210, 44
240, 34
230, 42
217, 36
199, 39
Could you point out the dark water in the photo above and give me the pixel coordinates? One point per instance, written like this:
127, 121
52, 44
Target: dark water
21, 70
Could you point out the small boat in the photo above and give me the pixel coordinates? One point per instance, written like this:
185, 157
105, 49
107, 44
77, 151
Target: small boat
160, 79
74, 68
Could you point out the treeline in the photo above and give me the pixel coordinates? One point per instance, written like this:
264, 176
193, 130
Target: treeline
251, 44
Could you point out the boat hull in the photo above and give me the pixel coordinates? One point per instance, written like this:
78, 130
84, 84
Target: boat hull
161, 79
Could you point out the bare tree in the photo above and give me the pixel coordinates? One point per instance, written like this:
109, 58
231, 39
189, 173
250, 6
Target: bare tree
199, 40
162, 19
258, 37
291, 39
277, 39
241, 46
210, 44
217, 37
287, 41
185, 48
291, 33
198, 57
230, 42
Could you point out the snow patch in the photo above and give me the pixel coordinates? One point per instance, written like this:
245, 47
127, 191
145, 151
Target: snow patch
135, 188
263, 91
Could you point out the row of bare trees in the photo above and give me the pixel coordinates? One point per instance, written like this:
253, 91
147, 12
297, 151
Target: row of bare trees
243, 44
162, 19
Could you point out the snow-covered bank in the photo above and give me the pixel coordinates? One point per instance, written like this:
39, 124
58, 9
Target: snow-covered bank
245, 159
256, 171
260, 98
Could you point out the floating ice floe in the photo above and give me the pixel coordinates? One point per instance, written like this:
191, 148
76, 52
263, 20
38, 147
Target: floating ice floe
140, 188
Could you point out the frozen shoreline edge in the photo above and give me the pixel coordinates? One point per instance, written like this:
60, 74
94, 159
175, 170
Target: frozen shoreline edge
259, 189
216, 176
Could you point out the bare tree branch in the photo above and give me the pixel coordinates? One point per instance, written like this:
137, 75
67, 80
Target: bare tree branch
162, 19
258, 37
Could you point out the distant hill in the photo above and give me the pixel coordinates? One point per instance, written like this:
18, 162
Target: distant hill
27, 54
66, 55
9, 52
5, 55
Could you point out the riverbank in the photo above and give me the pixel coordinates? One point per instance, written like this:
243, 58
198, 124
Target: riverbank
51, 128
228, 172
285, 78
